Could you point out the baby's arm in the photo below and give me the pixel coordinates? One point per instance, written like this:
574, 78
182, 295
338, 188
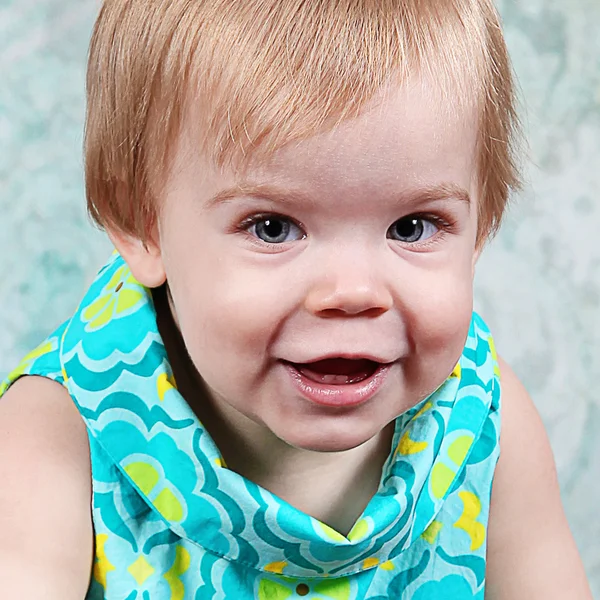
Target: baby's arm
531, 552
46, 541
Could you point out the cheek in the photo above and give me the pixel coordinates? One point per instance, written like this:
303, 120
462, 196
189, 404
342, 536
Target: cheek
439, 319
228, 315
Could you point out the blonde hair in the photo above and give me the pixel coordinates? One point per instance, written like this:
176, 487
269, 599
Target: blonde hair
267, 72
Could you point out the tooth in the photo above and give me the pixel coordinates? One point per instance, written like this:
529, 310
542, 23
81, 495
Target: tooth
335, 379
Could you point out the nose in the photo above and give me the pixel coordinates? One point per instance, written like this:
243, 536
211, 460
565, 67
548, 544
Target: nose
351, 289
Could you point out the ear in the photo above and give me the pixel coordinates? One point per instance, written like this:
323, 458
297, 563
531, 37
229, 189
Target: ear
143, 258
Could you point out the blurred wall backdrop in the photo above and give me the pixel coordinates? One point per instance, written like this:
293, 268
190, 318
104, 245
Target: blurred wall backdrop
538, 284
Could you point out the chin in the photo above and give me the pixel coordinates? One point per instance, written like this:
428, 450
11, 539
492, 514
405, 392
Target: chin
328, 441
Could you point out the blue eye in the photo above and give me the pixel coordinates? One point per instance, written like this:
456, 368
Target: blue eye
275, 230
412, 229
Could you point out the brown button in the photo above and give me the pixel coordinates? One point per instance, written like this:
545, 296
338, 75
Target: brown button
119, 286
302, 589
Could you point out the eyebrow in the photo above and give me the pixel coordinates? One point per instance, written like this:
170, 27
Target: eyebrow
427, 194
262, 192
444, 191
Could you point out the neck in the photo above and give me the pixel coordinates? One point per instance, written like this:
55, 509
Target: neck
333, 487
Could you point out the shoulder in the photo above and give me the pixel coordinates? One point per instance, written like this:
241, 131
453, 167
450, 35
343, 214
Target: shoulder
529, 537
523, 433
45, 496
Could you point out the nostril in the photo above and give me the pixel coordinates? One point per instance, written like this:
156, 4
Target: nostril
363, 300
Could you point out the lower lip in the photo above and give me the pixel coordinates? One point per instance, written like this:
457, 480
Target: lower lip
339, 396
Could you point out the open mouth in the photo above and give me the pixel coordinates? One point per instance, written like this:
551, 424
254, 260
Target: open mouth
338, 371
338, 382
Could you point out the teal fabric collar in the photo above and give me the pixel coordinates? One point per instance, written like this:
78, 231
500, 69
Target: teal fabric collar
117, 370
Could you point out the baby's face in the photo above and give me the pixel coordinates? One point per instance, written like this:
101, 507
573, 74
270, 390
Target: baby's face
329, 290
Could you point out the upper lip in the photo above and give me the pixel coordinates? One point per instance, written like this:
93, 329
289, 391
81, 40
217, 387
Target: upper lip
345, 355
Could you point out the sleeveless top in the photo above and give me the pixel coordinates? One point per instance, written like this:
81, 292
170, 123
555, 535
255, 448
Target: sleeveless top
172, 522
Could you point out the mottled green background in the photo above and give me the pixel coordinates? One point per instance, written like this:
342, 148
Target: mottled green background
538, 284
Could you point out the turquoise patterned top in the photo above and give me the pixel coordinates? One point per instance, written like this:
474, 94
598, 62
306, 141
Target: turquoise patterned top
173, 523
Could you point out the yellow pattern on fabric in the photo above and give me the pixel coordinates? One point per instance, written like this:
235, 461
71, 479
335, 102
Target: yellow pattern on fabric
336, 589
168, 506
431, 533
102, 566
164, 383
285, 587
276, 567
423, 410
388, 565
359, 531
370, 562
140, 570
441, 480
273, 590
145, 476
116, 298
331, 533
467, 522
406, 446
180, 565
494, 355
459, 449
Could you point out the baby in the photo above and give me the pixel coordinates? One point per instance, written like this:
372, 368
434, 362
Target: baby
277, 387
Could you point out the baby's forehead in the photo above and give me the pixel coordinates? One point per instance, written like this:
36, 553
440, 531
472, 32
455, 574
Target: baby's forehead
414, 116
402, 105
403, 125
405, 144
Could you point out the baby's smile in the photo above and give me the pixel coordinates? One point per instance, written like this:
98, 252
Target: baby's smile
337, 381
338, 371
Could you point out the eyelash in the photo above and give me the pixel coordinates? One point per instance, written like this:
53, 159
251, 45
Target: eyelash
245, 225
444, 225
